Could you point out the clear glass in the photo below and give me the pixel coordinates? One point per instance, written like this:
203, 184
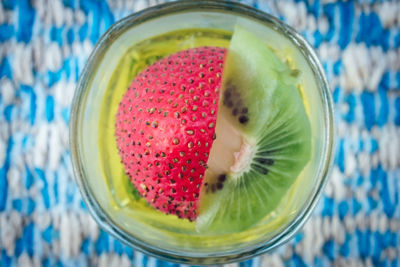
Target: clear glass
172, 240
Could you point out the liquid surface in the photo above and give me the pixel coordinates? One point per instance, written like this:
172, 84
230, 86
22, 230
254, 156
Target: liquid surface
124, 197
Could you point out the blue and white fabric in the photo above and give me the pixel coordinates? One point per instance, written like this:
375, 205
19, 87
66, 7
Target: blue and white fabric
43, 47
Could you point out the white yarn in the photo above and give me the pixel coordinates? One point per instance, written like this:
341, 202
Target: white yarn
338, 187
383, 223
25, 260
389, 146
151, 263
40, 149
22, 64
2, 16
270, 260
374, 220
42, 220
57, 10
65, 235
56, 147
53, 58
350, 224
138, 4
7, 91
388, 11
68, 17
231, 265
80, 17
14, 181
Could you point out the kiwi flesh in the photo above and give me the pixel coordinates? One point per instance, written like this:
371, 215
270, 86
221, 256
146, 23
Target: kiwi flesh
263, 121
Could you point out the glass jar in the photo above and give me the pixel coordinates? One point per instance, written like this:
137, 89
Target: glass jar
97, 172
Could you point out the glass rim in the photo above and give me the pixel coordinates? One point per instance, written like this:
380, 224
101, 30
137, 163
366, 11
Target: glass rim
104, 220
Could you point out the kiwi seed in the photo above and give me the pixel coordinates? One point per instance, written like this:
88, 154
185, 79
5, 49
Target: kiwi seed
243, 119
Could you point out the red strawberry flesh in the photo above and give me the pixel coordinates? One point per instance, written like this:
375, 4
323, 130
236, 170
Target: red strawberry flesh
165, 127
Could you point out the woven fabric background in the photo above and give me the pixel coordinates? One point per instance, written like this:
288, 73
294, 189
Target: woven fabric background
43, 47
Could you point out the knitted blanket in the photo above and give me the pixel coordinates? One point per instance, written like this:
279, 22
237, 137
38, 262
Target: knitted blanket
43, 47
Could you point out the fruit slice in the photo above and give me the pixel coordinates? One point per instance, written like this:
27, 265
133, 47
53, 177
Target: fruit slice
263, 138
165, 127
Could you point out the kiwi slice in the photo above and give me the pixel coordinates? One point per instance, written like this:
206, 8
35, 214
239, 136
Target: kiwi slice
263, 138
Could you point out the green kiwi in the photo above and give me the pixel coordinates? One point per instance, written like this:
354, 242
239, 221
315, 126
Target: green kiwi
264, 111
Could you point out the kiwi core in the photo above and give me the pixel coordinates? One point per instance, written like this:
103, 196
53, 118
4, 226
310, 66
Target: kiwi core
230, 152
227, 142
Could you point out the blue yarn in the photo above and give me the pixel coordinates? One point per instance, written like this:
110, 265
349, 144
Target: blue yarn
46, 262
363, 242
368, 103
398, 79
29, 180
356, 206
8, 112
86, 246
350, 23
5, 68
70, 3
70, 36
336, 95
340, 157
344, 249
359, 180
5, 259
32, 102
6, 32
298, 261
67, 68
337, 67
343, 208
328, 208
377, 248
49, 108
315, 8
347, 16
329, 11
56, 35
45, 190
329, 249
374, 146
247, 263
17, 204
351, 102
129, 252
107, 16
318, 38
47, 234
65, 114
389, 206
383, 113
27, 237
102, 243
9, 4
397, 111
26, 18
145, 259
3, 176
384, 84
54, 77
118, 248
55, 189
31, 205
372, 203
397, 40
83, 31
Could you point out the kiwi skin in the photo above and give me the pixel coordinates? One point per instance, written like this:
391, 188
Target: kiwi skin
261, 100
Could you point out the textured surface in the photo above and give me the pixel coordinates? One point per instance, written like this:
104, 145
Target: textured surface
43, 47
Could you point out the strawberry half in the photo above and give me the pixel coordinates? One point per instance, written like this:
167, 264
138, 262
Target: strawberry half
165, 126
